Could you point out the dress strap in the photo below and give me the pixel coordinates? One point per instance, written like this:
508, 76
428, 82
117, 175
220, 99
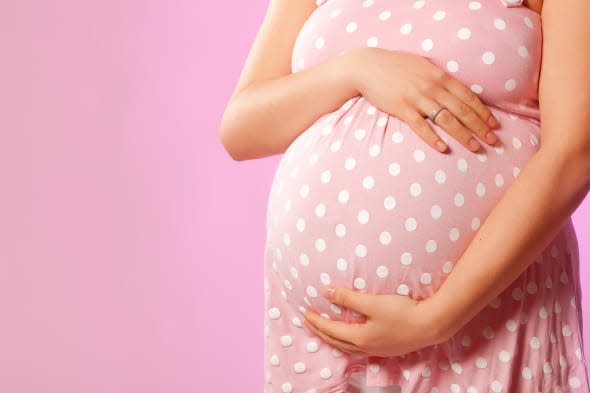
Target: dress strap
512, 3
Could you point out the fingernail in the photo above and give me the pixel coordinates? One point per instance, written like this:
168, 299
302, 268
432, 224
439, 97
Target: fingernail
491, 138
493, 122
441, 146
327, 292
473, 144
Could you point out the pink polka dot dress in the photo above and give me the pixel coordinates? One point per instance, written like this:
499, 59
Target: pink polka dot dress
359, 200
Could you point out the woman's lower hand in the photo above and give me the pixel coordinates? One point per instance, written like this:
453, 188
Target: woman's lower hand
410, 87
394, 324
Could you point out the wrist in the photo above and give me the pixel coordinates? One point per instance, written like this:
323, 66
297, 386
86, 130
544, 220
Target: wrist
437, 326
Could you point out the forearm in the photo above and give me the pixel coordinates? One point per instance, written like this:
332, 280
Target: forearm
265, 118
530, 214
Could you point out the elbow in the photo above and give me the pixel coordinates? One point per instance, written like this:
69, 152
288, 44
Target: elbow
225, 137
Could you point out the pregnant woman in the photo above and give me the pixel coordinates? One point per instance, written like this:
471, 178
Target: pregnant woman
472, 246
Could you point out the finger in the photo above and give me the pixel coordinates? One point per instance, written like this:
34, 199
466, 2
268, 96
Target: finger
359, 302
421, 127
467, 115
466, 95
339, 330
342, 345
447, 121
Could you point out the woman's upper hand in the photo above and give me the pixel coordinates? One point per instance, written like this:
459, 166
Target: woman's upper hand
410, 87
394, 324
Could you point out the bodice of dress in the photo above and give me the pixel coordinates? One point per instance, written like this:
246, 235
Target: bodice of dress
492, 46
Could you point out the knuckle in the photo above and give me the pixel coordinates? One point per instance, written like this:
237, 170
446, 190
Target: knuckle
444, 116
465, 111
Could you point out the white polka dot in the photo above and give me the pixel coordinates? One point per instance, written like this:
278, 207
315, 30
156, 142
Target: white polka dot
304, 191
411, 224
475, 223
466, 341
499, 179
496, 386
510, 85
436, 212
274, 360
311, 291
389, 202
464, 33
343, 196
504, 356
459, 199
415, 189
499, 24
439, 15
320, 210
299, 367
340, 230
454, 234
406, 259
359, 283
462, 165
528, 22
372, 41
517, 143
477, 89
304, 260
325, 373
374, 150
397, 137
360, 251
517, 293
431, 246
382, 271
419, 155
527, 373
325, 278
440, 176
384, 15
351, 27
360, 133
543, 314
427, 44
418, 4
481, 362
319, 42
335, 146
566, 331
294, 272
535, 343
326, 176
368, 182
341, 264
452, 66
425, 278
488, 57
363, 216
286, 341
335, 308
480, 189
511, 325
403, 289
349, 163
394, 169
562, 361
406, 28
574, 382
523, 51
274, 313
287, 387
447, 267
547, 369
472, 389
385, 238
531, 287
312, 346
488, 333
320, 245
457, 368
300, 224
426, 372
474, 5
455, 388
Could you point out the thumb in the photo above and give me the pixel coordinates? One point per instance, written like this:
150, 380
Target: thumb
348, 298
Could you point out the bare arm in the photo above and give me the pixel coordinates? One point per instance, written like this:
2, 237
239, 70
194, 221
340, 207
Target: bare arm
264, 118
549, 188
270, 106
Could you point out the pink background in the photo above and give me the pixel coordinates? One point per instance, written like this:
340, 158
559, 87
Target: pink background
131, 245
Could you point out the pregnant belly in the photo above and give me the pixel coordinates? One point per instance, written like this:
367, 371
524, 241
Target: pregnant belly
359, 200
